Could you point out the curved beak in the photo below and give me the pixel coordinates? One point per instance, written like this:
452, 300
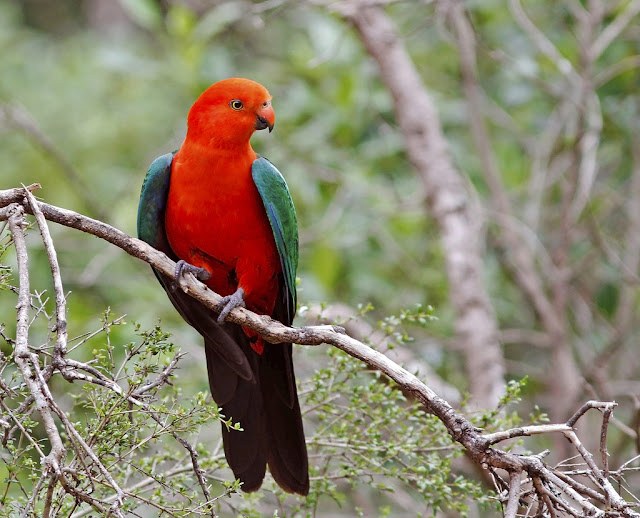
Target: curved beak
266, 118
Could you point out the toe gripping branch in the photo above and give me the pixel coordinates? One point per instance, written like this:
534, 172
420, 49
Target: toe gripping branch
229, 303
183, 267
226, 304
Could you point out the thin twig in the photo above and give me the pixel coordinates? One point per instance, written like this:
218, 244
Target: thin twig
585, 408
581, 488
613, 497
543, 498
525, 431
60, 348
162, 378
611, 32
34, 494
543, 43
15, 419
606, 415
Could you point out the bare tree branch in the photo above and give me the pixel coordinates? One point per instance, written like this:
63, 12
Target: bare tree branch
543, 43
23, 357
479, 447
60, 327
613, 30
525, 431
568, 382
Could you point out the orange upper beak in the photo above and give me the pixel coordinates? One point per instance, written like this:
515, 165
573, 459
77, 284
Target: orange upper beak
266, 118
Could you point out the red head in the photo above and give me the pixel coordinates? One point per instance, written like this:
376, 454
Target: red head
228, 112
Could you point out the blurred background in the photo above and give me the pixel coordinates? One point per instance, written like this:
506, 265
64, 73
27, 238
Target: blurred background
91, 91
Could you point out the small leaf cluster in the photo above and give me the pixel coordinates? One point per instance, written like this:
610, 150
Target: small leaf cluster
370, 438
394, 325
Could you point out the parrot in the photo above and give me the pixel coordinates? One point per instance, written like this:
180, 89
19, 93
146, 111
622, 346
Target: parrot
226, 215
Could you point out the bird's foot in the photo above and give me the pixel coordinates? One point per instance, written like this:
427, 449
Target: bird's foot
230, 302
183, 267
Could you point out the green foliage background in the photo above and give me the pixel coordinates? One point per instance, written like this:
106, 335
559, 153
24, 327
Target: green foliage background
109, 99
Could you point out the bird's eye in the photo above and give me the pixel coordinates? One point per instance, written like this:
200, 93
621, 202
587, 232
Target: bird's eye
236, 104
266, 103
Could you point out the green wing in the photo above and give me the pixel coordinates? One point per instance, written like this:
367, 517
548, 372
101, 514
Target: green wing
153, 202
282, 217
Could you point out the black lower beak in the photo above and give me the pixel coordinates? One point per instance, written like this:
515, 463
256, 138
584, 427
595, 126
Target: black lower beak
262, 123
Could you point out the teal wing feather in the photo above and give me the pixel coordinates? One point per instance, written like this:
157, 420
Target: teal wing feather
153, 201
281, 212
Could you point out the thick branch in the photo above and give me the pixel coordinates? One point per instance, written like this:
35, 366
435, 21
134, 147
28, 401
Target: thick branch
273, 331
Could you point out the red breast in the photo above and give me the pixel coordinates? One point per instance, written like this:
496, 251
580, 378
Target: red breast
215, 217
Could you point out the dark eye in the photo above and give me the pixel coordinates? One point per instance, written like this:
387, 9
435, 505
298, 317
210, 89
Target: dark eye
236, 104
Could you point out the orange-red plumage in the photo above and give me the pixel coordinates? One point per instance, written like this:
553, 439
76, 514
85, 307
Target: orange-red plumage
216, 205
215, 217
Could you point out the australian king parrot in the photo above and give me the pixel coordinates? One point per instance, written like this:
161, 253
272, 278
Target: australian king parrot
226, 215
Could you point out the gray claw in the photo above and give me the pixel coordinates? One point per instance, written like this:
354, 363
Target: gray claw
183, 267
229, 303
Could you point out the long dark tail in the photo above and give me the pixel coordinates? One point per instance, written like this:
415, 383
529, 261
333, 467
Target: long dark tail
257, 391
267, 408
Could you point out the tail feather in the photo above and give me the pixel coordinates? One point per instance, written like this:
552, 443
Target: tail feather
268, 412
259, 392
242, 402
287, 452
